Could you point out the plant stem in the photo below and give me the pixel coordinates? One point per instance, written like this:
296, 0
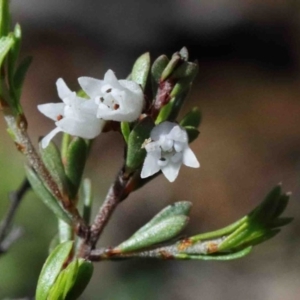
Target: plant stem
15, 199
113, 198
18, 128
166, 252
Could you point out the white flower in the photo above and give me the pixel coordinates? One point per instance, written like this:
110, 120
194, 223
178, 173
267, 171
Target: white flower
167, 150
75, 115
117, 100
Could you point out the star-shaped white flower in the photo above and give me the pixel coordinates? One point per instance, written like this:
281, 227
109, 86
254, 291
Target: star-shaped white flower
75, 116
117, 100
167, 150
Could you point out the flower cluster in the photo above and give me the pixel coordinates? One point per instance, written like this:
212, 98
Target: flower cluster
167, 149
109, 99
118, 100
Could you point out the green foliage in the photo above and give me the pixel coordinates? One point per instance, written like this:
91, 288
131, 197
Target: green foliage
75, 162
43, 193
52, 268
72, 281
135, 152
141, 69
161, 231
52, 159
176, 209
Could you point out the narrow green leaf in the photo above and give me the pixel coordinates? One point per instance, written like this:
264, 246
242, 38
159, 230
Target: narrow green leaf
51, 269
125, 129
159, 232
4, 17
165, 112
283, 202
72, 281
187, 70
218, 257
219, 233
86, 195
6, 42
192, 133
175, 209
170, 111
20, 74
141, 69
135, 153
83, 277
75, 163
156, 70
52, 159
43, 193
192, 118
172, 65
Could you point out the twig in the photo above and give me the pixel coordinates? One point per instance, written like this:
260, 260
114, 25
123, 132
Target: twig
175, 251
6, 238
113, 198
18, 127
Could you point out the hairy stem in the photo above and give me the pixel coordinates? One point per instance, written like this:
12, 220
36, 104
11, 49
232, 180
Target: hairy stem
18, 128
175, 251
113, 198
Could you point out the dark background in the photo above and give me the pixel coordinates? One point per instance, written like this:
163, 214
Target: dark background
248, 89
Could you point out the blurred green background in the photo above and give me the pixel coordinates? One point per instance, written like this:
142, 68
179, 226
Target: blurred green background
248, 89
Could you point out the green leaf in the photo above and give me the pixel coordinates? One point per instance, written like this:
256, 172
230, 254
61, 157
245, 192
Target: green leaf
141, 69
218, 257
283, 202
170, 111
159, 232
125, 129
175, 209
75, 162
19, 76
172, 65
86, 195
43, 193
219, 233
192, 118
83, 277
165, 112
6, 42
52, 159
135, 153
186, 70
4, 17
51, 269
192, 133
156, 70
72, 281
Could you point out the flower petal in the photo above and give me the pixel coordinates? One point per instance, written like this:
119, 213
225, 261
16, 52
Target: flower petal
161, 129
171, 170
178, 134
62, 89
46, 140
52, 110
132, 87
85, 129
110, 78
189, 159
150, 166
91, 86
